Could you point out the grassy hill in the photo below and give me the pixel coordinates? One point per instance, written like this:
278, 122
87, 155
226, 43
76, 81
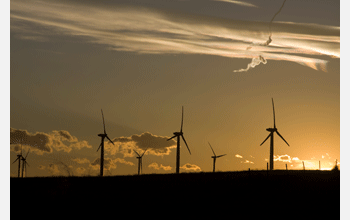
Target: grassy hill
250, 194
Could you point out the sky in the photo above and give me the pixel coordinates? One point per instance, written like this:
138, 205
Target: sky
141, 61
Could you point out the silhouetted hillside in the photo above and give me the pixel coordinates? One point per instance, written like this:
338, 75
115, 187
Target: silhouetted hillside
250, 194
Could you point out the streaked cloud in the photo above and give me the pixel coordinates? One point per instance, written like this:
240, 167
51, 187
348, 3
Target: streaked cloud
153, 31
241, 3
247, 161
239, 156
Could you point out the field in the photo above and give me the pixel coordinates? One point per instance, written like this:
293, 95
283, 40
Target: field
277, 194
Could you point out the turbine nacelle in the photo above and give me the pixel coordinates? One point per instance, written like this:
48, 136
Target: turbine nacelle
102, 135
178, 133
271, 129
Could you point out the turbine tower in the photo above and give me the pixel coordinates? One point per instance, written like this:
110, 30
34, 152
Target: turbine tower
140, 161
24, 164
103, 136
272, 130
214, 157
178, 134
19, 156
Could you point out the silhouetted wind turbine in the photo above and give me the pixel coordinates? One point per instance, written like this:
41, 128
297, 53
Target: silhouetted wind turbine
24, 164
140, 161
272, 130
178, 134
214, 157
103, 136
19, 156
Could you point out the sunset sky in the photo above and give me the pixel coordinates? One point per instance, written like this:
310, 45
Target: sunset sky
140, 61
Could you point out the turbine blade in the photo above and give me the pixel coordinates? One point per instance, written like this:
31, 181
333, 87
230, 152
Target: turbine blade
171, 138
221, 155
136, 152
182, 119
282, 137
26, 163
274, 120
266, 139
212, 149
143, 154
27, 154
104, 127
99, 147
186, 143
110, 140
15, 160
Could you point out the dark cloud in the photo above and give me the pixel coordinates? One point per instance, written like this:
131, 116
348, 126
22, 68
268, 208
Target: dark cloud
156, 145
41, 142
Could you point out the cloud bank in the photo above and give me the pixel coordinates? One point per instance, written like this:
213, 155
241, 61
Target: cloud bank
151, 31
156, 145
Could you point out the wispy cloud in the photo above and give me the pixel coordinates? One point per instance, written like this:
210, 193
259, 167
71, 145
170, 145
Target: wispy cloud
242, 3
254, 63
239, 156
158, 32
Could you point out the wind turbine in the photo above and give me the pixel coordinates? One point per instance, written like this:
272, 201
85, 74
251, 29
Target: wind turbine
19, 156
178, 134
103, 136
214, 157
24, 164
272, 130
140, 161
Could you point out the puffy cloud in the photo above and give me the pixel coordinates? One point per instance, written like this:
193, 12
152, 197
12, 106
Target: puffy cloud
109, 163
53, 169
156, 145
80, 170
58, 169
239, 156
158, 32
41, 142
190, 167
282, 158
159, 167
121, 160
81, 160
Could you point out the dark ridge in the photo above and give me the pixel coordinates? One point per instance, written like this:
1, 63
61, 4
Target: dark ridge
249, 194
